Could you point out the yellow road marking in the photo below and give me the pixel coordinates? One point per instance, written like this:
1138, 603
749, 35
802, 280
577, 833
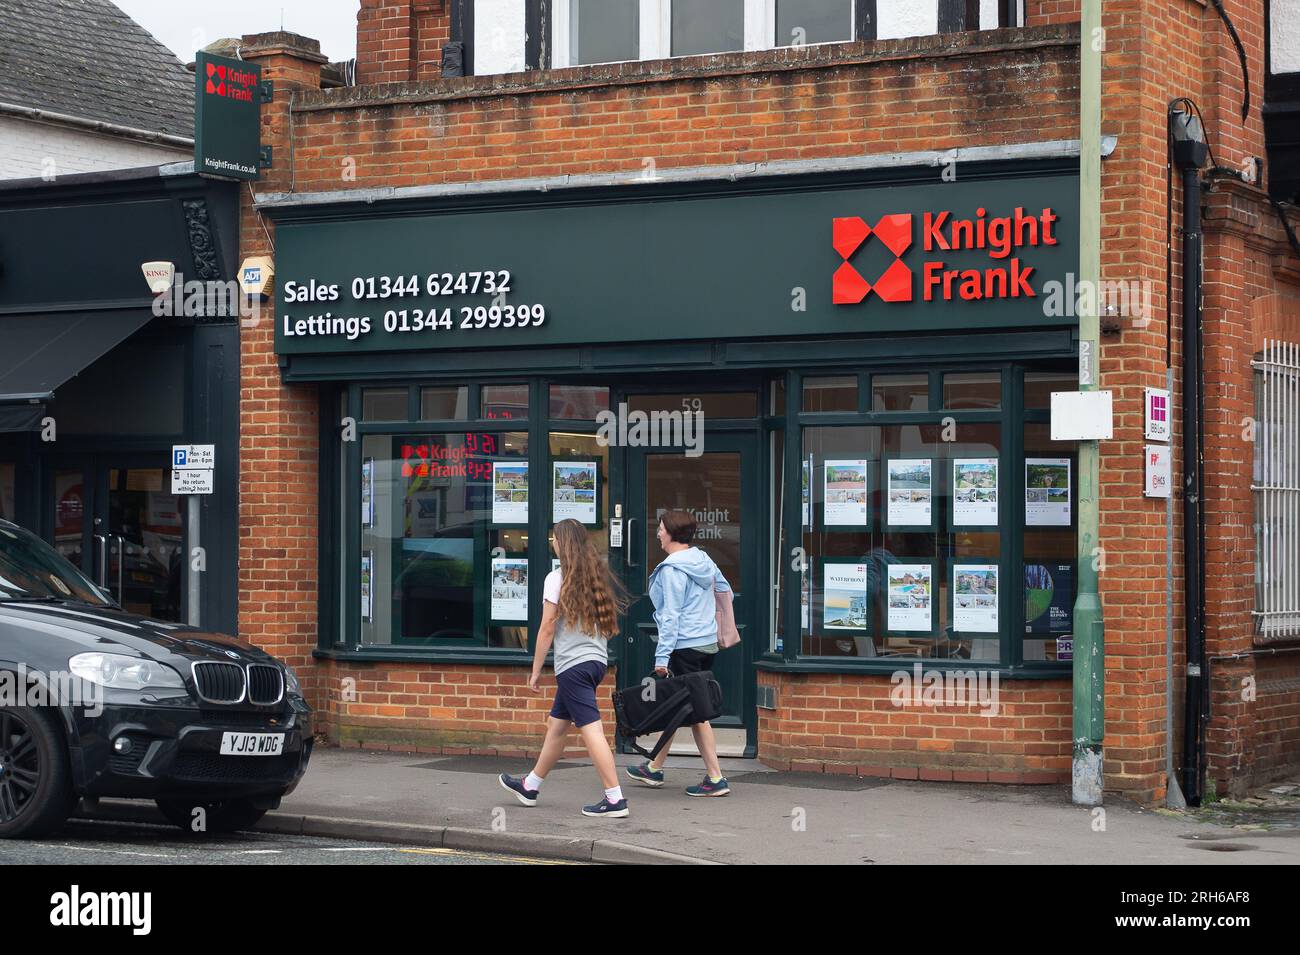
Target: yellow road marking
481, 855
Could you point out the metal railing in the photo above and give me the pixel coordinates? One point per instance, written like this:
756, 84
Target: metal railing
1276, 488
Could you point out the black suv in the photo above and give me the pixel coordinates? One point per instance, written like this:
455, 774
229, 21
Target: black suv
95, 701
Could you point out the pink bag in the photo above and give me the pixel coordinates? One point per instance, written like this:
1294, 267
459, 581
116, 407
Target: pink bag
728, 635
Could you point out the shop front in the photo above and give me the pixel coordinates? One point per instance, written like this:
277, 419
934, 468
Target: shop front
99, 379
845, 377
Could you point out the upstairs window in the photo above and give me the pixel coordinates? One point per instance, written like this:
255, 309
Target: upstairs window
604, 31
706, 26
608, 31
800, 22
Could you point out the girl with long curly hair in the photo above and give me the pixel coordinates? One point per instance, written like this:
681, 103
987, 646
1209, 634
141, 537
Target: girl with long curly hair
581, 605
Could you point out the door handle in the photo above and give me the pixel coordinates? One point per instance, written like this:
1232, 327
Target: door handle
121, 562
631, 562
103, 559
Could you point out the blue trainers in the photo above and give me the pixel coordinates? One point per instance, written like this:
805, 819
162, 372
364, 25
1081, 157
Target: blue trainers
527, 797
614, 810
709, 788
646, 776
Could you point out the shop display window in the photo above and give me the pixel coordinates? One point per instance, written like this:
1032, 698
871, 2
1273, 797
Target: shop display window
901, 541
1050, 558
933, 517
430, 546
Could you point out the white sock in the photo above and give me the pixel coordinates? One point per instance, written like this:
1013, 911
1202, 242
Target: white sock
615, 794
532, 781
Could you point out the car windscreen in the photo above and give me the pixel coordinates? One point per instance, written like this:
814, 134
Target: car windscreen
32, 569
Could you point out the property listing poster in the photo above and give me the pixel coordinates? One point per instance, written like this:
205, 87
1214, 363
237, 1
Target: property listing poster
974, 492
846, 494
509, 588
1047, 492
574, 491
975, 598
1049, 603
910, 596
807, 472
805, 602
509, 492
367, 570
368, 492
910, 489
844, 596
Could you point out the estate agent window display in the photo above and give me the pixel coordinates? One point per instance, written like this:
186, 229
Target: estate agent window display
449, 497
936, 520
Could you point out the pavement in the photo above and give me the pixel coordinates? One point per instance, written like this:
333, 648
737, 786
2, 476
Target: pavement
771, 817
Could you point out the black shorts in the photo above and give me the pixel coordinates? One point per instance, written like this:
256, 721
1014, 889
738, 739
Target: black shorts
689, 660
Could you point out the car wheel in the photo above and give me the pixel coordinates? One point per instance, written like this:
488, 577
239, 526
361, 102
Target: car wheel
225, 815
35, 776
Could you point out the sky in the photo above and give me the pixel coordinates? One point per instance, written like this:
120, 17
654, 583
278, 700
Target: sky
185, 26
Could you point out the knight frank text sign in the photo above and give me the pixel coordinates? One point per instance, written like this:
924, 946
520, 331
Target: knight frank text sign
903, 257
227, 117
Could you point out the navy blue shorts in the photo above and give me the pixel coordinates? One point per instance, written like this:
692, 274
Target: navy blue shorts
575, 693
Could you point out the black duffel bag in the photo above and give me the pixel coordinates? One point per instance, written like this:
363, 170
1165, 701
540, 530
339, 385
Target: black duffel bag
664, 706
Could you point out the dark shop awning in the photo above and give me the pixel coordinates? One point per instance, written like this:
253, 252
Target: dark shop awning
38, 353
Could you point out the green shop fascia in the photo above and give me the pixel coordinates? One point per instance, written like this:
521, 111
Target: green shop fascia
845, 376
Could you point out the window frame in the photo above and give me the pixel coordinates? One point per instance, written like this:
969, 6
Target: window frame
657, 25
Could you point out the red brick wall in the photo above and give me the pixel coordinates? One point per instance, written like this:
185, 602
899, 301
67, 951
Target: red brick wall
1247, 296
478, 710
1252, 293
785, 104
432, 32
1038, 12
1140, 75
400, 40
279, 426
839, 723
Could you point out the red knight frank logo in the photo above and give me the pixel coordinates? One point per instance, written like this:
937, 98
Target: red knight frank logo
895, 231
994, 242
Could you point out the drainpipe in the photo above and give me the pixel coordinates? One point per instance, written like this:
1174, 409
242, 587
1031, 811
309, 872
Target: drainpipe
1190, 154
1089, 637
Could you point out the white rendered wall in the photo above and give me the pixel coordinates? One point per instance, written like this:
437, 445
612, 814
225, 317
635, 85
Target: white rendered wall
499, 36
900, 18
1284, 25
29, 149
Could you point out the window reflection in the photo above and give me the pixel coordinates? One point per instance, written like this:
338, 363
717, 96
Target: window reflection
427, 537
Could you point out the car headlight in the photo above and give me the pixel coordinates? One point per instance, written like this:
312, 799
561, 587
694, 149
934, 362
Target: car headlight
291, 683
120, 672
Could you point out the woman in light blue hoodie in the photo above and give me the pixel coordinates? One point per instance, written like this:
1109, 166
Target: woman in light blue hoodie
681, 589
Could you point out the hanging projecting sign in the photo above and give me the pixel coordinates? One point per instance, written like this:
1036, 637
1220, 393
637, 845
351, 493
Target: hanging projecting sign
227, 117
735, 262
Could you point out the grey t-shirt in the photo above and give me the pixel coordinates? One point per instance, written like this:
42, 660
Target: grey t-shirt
572, 646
